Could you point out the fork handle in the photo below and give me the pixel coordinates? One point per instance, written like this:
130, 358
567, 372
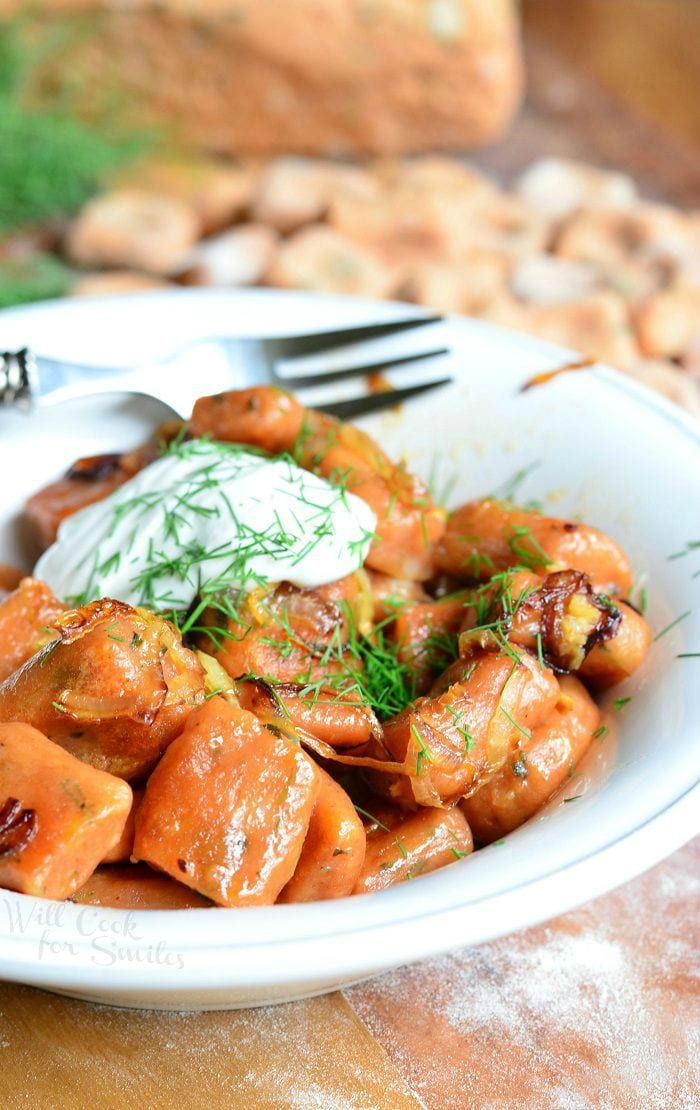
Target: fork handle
18, 378
26, 378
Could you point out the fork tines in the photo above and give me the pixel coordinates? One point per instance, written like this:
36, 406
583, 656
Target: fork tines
297, 346
375, 402
335, 356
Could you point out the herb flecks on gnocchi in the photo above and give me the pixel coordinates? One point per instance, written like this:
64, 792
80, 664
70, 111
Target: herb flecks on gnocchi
318, 681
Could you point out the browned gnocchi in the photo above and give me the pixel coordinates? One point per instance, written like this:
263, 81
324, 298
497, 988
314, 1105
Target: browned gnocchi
294, 728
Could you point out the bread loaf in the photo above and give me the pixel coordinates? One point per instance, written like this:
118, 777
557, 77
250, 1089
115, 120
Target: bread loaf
307, 76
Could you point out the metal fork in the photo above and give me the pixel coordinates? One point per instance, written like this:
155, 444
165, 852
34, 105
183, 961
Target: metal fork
207, 366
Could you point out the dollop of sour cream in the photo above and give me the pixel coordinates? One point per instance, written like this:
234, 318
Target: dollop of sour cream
207, 517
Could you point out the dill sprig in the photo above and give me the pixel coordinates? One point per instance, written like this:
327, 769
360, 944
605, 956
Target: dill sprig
366, 668
521, 728
533, 557
52, 160
372, 818
441, 488
507, 490
458, 717
494, 604
36, 277
383, 681
691, 545
673, 624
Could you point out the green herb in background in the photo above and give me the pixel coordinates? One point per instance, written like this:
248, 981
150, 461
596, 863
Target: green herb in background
34, 278
51, 162
13, 65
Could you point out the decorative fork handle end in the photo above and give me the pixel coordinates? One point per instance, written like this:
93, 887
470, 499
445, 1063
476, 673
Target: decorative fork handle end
18, 378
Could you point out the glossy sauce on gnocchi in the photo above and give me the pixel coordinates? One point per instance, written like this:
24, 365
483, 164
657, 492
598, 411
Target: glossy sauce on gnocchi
264, 666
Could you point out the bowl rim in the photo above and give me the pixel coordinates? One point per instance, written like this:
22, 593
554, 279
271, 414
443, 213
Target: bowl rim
657, 834
394, 941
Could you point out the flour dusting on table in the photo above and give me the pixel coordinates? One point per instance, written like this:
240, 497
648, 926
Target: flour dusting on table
597, 1010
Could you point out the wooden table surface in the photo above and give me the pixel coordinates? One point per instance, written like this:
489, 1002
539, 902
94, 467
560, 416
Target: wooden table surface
613, 82
597, 1010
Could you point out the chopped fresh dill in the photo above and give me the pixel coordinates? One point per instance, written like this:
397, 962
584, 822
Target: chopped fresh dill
458, 714
423, 752
494, 605
357, 546
475, 561
304, 435
49, 651
525, 731
508, 489
372, 818
178, 564
672, 624
110, 564
441, 490
374, 670
533, 557
424, 531
401, 848
691, 545
458, 853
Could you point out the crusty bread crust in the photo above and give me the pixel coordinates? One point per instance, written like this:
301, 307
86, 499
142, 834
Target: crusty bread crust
309, 76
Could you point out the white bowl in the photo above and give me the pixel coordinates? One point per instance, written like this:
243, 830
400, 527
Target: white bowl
612, 451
